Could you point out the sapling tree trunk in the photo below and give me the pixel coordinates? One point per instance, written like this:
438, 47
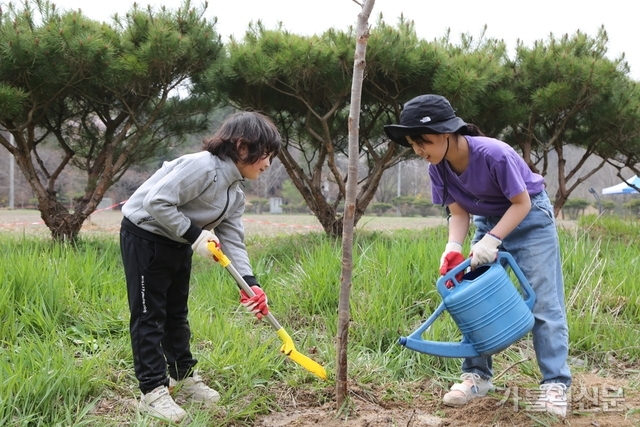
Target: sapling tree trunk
359, 62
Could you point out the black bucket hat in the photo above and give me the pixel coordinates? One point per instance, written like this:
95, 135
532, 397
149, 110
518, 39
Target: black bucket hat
425, 114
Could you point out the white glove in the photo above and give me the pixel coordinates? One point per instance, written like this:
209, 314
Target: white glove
451, 247
485, 251
200, 245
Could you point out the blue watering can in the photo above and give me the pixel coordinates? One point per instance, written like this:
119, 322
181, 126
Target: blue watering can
486, 306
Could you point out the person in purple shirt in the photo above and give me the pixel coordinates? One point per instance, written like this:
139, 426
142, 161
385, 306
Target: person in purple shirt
472, 174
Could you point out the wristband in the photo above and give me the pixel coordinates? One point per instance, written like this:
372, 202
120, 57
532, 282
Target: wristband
494, 236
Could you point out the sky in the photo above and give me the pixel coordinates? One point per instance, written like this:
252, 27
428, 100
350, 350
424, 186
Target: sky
507, 20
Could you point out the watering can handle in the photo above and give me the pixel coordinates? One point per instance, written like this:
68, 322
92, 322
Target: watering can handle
529, 294
451, 276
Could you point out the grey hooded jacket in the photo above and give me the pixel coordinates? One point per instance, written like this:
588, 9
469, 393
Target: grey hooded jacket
191, 193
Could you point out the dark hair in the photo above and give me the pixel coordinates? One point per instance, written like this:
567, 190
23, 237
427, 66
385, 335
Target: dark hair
254, 131
472, 130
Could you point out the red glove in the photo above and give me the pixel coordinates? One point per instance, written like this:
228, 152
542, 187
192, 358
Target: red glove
256, 305
450, 261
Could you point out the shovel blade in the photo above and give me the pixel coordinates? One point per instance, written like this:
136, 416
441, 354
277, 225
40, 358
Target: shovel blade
306, 362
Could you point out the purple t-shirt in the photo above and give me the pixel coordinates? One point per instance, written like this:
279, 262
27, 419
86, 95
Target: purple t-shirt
495, 174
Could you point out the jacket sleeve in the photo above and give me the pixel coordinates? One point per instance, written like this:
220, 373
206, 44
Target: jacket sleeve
231, 234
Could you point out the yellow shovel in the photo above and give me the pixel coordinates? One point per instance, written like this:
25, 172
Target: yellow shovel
287, 347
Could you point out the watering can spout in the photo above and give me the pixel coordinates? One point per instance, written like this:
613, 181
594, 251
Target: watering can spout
443, 349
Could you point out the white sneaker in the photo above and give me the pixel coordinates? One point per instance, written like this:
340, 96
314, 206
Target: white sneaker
553, 399
158, 403
472, 386
194, 389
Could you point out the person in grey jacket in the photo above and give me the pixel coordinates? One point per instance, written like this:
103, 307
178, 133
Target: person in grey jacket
189, 202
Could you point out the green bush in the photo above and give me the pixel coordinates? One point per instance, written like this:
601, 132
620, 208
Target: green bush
575, 207
633, 206
259, 205
423, 206
380, 208
607, 206
404, 204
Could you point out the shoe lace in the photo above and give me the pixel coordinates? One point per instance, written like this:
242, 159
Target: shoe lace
198, 382
165, 402
469, 376
554, 391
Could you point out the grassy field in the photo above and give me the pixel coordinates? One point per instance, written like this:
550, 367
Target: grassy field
65, 354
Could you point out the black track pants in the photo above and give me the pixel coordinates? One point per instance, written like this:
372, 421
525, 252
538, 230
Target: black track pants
157, 277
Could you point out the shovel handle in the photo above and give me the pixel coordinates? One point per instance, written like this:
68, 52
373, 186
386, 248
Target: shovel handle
224, 261
288, 348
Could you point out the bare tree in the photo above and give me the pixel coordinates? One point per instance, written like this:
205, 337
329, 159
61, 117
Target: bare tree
359, 63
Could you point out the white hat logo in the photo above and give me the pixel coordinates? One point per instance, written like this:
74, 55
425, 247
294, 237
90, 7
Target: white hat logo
426, 119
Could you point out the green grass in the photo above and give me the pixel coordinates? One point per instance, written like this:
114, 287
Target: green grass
64, 344
601, 270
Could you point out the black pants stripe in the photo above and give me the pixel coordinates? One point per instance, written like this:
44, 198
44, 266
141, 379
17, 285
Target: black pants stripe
157, 276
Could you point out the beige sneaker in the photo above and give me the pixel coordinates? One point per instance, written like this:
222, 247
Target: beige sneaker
194, 389
553, 399
159, 404
472, 386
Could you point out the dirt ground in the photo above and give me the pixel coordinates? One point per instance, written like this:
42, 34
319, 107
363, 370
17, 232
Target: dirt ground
597, 399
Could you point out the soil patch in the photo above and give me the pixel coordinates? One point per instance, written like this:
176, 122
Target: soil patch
595, 401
